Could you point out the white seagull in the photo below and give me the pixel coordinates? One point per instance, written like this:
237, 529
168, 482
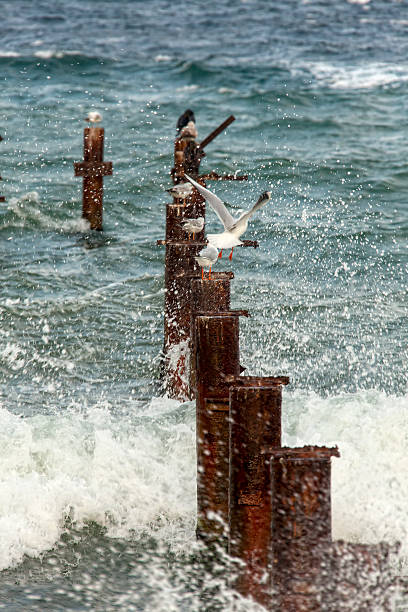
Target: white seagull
207, 258
189, 132
233, 228
193, 226
93, 117
181, 190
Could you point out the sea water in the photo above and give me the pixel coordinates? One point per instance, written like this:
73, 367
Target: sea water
97, 467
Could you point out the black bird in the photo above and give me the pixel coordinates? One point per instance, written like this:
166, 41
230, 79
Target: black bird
184, 119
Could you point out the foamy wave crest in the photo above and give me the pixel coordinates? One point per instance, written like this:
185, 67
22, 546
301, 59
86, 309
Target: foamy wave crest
136, 474
29, 211
162, 58
50, 53
89, 466
368, 76
9, 54
369, 484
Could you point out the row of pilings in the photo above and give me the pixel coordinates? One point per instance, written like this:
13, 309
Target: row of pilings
269, 506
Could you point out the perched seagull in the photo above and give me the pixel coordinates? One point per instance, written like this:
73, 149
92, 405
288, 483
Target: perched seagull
184, 119
233, 228
181, 190
189, 132
93, 117
193, 226
207, 258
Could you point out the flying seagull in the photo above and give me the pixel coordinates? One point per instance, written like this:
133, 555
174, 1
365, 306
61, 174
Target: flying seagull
233, 228
207, 258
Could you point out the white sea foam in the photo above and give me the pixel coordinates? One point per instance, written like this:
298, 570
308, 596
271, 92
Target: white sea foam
369, 484
28, 209
50, 53
367, 76
162, 58
87, 466
139, 476
188, 88
9, 54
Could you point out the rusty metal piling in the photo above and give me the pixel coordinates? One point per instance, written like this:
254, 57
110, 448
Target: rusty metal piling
181, 267
209, 295
217, 355
93, 169
301, 524
255, 422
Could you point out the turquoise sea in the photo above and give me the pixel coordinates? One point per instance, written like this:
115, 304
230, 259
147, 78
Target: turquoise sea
97, 467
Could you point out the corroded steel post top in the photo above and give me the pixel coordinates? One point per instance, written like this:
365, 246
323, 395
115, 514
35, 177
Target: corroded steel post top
221, 315
260, 381
316, 453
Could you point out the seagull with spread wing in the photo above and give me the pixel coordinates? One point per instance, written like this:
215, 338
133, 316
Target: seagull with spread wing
233, 228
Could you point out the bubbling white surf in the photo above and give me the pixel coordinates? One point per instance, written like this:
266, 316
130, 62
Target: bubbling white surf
88, 465
28, 210
134, 473
369, 485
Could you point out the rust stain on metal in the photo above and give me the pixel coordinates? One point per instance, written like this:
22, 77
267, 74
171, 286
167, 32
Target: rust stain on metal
251, 499
93, 169
220, 405
217, 131
255, 422
301, 523
211, 295
179, 266
217, 353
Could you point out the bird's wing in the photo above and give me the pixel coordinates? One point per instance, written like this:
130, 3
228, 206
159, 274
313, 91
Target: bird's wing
214, 201
262, 200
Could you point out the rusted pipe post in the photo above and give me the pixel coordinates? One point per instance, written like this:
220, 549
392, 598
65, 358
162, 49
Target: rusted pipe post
301, 524
2, 198
255, 422
93, 169
176, 213
180, 267
217, 131
211, 296
217, 354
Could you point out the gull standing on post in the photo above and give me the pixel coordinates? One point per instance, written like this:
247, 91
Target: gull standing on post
207, 258
193, 226
93, 117
181, 190
189, 132
233, 228
184, 119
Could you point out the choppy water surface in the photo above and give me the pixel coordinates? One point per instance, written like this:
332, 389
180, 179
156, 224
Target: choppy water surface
97, 469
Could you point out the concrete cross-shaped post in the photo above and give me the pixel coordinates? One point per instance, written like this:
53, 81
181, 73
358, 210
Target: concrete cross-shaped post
93, 169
